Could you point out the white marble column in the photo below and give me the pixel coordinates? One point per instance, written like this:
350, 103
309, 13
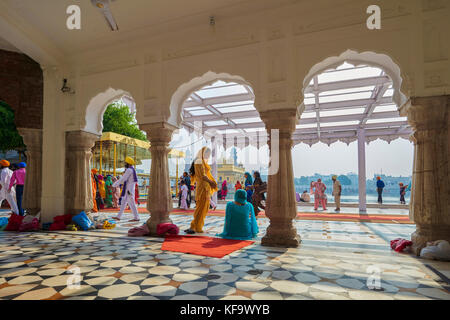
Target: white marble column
281, 206
33, 182
362, 169
159, 201
214, 164
78, 192
430, 192
53, 146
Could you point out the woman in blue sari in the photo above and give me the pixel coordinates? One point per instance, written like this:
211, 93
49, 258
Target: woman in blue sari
248, 186
240, 220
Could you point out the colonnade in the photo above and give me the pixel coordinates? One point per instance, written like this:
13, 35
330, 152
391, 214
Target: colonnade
430, 199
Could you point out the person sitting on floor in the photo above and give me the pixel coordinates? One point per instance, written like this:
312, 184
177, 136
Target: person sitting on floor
305, 197
240, 220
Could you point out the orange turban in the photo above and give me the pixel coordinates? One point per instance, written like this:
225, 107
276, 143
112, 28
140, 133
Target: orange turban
5, 163
378, 178
94, 171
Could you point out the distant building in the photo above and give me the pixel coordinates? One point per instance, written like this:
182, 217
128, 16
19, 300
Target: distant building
227, 170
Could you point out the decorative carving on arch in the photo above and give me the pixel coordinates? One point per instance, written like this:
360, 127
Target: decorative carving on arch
186, 89
97, 106
400, 81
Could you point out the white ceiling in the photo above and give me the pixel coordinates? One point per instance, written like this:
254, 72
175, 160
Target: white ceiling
49, 17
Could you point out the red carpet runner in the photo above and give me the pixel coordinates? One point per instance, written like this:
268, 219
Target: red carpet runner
203, 246
353, 217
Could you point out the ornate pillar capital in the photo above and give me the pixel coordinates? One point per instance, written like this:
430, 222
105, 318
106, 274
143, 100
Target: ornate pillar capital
284, 119
428, 113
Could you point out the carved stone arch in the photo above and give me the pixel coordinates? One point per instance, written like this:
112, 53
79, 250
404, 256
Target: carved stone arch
183, 92
401, 82
97, 106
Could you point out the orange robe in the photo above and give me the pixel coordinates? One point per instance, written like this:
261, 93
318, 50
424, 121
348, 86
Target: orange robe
94, 192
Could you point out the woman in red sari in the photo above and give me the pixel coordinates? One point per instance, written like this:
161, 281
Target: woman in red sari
224, 190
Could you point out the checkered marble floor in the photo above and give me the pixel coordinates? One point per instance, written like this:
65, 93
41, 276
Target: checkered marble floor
336, 260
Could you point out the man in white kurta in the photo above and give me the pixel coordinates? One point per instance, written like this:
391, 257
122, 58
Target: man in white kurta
5, 178
129, 180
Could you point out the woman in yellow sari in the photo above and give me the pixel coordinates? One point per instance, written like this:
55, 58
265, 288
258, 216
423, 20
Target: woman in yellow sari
205, 188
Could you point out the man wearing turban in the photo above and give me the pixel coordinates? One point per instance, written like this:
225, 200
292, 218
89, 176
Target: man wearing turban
5, 178
129, 181
337, 190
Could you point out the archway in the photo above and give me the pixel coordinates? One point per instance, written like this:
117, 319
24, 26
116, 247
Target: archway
353, 97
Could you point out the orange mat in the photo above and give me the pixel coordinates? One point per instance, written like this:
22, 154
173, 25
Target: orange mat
203, 246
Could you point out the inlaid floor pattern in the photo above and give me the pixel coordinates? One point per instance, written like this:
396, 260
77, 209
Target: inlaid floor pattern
336, 260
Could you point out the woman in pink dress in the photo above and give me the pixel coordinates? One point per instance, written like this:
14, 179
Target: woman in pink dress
319, 194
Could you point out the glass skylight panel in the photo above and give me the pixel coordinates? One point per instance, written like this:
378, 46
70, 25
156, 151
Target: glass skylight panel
385, 108
237, 109
221, 91
310, 100
342, 112
346, 97
386, 120
200, 113
194, 108
309, 95
339, 123
354, 73
350, 90
232, 104
228, 131
246, 120
389, 93
250, 130
308, 115
215, 123
306, 126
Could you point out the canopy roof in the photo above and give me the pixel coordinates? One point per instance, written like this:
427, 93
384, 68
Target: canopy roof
337, 103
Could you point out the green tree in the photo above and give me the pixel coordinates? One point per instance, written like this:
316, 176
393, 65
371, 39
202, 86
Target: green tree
119, 119
10, 139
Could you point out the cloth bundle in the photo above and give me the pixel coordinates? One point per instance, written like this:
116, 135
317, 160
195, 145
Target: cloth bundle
169, 228
105, 224
436, 250
400, 244
60, 222
29, 223
139, 231
14, 222
3, 223
83, 221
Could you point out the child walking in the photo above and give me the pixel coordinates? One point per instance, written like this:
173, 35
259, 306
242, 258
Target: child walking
184, 193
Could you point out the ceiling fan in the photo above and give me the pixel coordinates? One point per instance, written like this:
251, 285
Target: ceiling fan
104, 7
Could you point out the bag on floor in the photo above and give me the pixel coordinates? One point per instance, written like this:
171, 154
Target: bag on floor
169, 228
297, 197
60, 222
3, 222
14, 222
437, 250
83, 221
29, 223
400, 244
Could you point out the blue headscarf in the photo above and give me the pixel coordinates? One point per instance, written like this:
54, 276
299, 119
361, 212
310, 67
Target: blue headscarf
248, 180
22, 165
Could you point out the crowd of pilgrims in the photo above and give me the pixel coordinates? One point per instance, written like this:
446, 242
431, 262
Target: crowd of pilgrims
254, 188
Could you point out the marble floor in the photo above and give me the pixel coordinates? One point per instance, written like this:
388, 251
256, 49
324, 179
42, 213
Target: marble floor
336, 260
